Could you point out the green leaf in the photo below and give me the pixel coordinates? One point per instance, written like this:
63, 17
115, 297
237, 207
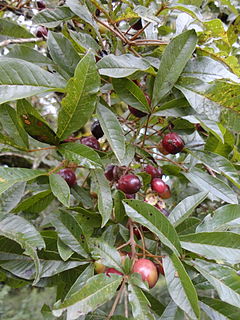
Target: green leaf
10, 29
217, 309
214, 186
51, 18
36, 203
131, 94
112, 130
63, 54
188, 226
20, 230
34, 124
81, 154
64, 251
79, 103
70, 232
119, 212
121, 66
180, 286
25, 53
185, 208
11, 197
10, 176
224, 279
173, 61
155, 304
10, 124
105, 202
84, 41
97, 291
81, 10
60, 189
218, 164
223, 218
140, 304
109, 256
172, 312
214, 245
9, 141
20, 79
150, 217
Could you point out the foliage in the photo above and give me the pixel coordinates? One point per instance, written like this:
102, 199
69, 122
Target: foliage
177, 64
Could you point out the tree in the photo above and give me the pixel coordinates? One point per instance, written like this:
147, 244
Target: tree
120, 157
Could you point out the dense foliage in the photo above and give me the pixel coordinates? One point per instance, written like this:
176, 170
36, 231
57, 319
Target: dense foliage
120, 158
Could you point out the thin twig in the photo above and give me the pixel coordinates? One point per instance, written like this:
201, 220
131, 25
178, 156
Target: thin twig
41, 149
5, 43
116, 300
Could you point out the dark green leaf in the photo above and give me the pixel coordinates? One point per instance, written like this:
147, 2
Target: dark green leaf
172, 312
11, 197
60, 189
11, 29
64, 251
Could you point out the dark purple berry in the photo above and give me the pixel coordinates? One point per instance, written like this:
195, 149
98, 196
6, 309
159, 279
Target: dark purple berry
158, 185
129, 184
41, 4
154, 172
96, 130
173, 143
137, 25
69, 176
91, 142
130, 196
109, 172
137, 113
42, 32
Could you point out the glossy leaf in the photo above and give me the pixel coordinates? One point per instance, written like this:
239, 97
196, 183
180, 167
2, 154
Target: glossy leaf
105, 202
10, 176
79, 103
11, 29
139, 303
188, 226
60, 189
185, 208
217, 309
11, 197
51, 18
64, 251
224, 217
150, 217
121, 66
174, 59
20, 79
131, 94
214, 186
172, 312
70, 232
180, 286
20, 230
214, 245
96, 291
112, 130
81, 10
224, 279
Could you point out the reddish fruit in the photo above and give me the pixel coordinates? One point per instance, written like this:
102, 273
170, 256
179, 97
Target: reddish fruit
130, 196
69, 176
161, 149
109, 172
154, 172
99, 267
91, 142
108, 271
96, 130
167, 193
158, 185
173, 143
41, 4
41, 32
147, 269
160, 269
137, 113
129, 184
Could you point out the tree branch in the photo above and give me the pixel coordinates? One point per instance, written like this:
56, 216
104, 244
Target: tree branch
5, 43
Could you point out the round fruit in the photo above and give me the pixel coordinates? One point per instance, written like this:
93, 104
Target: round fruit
108, 272
91, 142
167, 193
42, 32
129, 184
173, 143
137, 113
109, 172
158, 185
147, 269
69, 176
96, 130
130, 196
41, 4
160, 269
99, 267
154, 172
161, 149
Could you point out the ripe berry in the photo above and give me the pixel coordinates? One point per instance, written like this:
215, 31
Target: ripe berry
130, 196
129, 184
154, 172
112, 172
160, 269
137, 113
173, 143
42, 32
41, 4
108, 271
158, 185
69, 176
91, 142
161, 148
147, 269
96, 130
167, 193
